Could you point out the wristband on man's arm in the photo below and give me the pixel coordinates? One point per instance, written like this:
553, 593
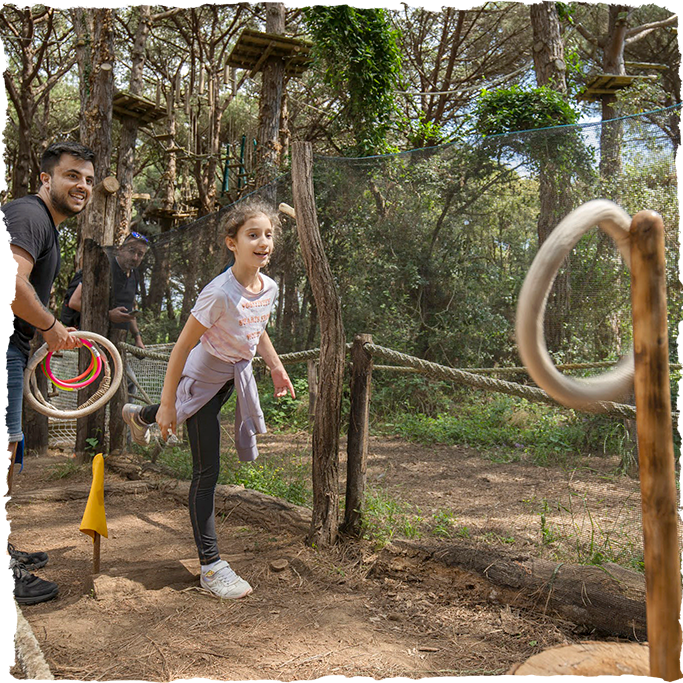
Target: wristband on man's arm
47, 329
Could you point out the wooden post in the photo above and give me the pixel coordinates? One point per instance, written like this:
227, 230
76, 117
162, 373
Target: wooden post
98, 231
312, 371
96, 553
655, 445
117, 427
324, 522
359, 429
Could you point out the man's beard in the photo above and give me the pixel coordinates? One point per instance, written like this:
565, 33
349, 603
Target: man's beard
60, 205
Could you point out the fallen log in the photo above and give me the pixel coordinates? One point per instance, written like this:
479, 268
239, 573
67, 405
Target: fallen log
249, 506
606, 599
79, 492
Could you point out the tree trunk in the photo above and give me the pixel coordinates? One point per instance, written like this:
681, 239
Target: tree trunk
97, 85
270, 107
655, 444
609, 600
35, 424
554, 184
125, 170
548, 48
95, 302
161, 270
613, 63
325, 522
90, 430
117, 427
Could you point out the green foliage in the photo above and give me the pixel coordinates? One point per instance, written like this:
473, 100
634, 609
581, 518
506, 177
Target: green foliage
285, 413
65, 470
443, 523
514, 109
362, 65
287, 478
291, 483
508, 427
565, 12
385, 517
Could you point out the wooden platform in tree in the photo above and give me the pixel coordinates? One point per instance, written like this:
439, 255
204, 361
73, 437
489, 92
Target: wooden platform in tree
607, 84
173, 214
137, 107
253, 48
588, 659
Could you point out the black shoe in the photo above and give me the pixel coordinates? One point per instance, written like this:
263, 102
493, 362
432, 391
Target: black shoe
29, 589
29, 560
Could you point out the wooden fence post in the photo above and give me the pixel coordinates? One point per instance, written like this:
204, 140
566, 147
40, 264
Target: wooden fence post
655, 445
324, 522
359, 429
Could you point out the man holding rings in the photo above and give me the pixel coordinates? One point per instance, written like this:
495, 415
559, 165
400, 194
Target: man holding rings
67, 178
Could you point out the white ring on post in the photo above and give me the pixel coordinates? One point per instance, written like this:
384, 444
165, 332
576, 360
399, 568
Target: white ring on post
579, 393
49, 410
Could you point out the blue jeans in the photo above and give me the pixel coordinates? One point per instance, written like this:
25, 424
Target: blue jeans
16, 364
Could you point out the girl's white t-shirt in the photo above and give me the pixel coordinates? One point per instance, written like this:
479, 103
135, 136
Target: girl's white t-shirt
236, 317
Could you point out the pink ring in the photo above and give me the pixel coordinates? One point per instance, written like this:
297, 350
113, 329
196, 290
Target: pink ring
70, 384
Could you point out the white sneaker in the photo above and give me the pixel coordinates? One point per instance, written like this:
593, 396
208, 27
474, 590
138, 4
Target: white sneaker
223, 582
139, 431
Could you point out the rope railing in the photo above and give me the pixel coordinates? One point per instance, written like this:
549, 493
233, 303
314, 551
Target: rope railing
474, 377
481, 382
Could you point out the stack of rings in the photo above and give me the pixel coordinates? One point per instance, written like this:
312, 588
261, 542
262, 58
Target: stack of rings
111, 374
87, 377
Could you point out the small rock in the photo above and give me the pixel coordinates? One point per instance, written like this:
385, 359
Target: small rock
279, 565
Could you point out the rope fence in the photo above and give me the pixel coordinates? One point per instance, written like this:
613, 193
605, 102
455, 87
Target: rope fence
404, 363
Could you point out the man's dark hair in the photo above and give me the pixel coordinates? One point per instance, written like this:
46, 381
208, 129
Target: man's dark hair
54, 152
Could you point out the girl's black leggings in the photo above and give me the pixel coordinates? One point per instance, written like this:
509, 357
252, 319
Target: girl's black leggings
203, 431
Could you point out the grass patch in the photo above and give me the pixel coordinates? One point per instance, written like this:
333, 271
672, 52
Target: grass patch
507, 427
290, 482
385, 517
570, 531
287, 478
66, 470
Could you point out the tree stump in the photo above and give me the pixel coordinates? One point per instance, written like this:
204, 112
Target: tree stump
588, 659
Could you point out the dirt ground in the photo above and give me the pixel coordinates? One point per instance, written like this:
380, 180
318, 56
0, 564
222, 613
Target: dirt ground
350, 611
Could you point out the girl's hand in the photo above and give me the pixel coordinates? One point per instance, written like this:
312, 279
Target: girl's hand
167, 419
281, 382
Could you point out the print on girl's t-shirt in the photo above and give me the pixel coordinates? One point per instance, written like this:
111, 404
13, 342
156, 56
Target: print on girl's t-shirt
236, 317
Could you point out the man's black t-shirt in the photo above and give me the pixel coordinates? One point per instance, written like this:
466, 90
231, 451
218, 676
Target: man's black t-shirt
70, 317
31, 227
124, 289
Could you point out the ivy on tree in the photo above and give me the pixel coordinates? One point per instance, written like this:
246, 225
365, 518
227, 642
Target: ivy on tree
362, 65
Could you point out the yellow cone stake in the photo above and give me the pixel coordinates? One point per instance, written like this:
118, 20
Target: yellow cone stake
94, 522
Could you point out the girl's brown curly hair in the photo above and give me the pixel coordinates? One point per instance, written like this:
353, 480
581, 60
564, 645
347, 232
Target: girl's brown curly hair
242, 212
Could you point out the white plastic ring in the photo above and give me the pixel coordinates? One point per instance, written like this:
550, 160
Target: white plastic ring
50, 411
579, 393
